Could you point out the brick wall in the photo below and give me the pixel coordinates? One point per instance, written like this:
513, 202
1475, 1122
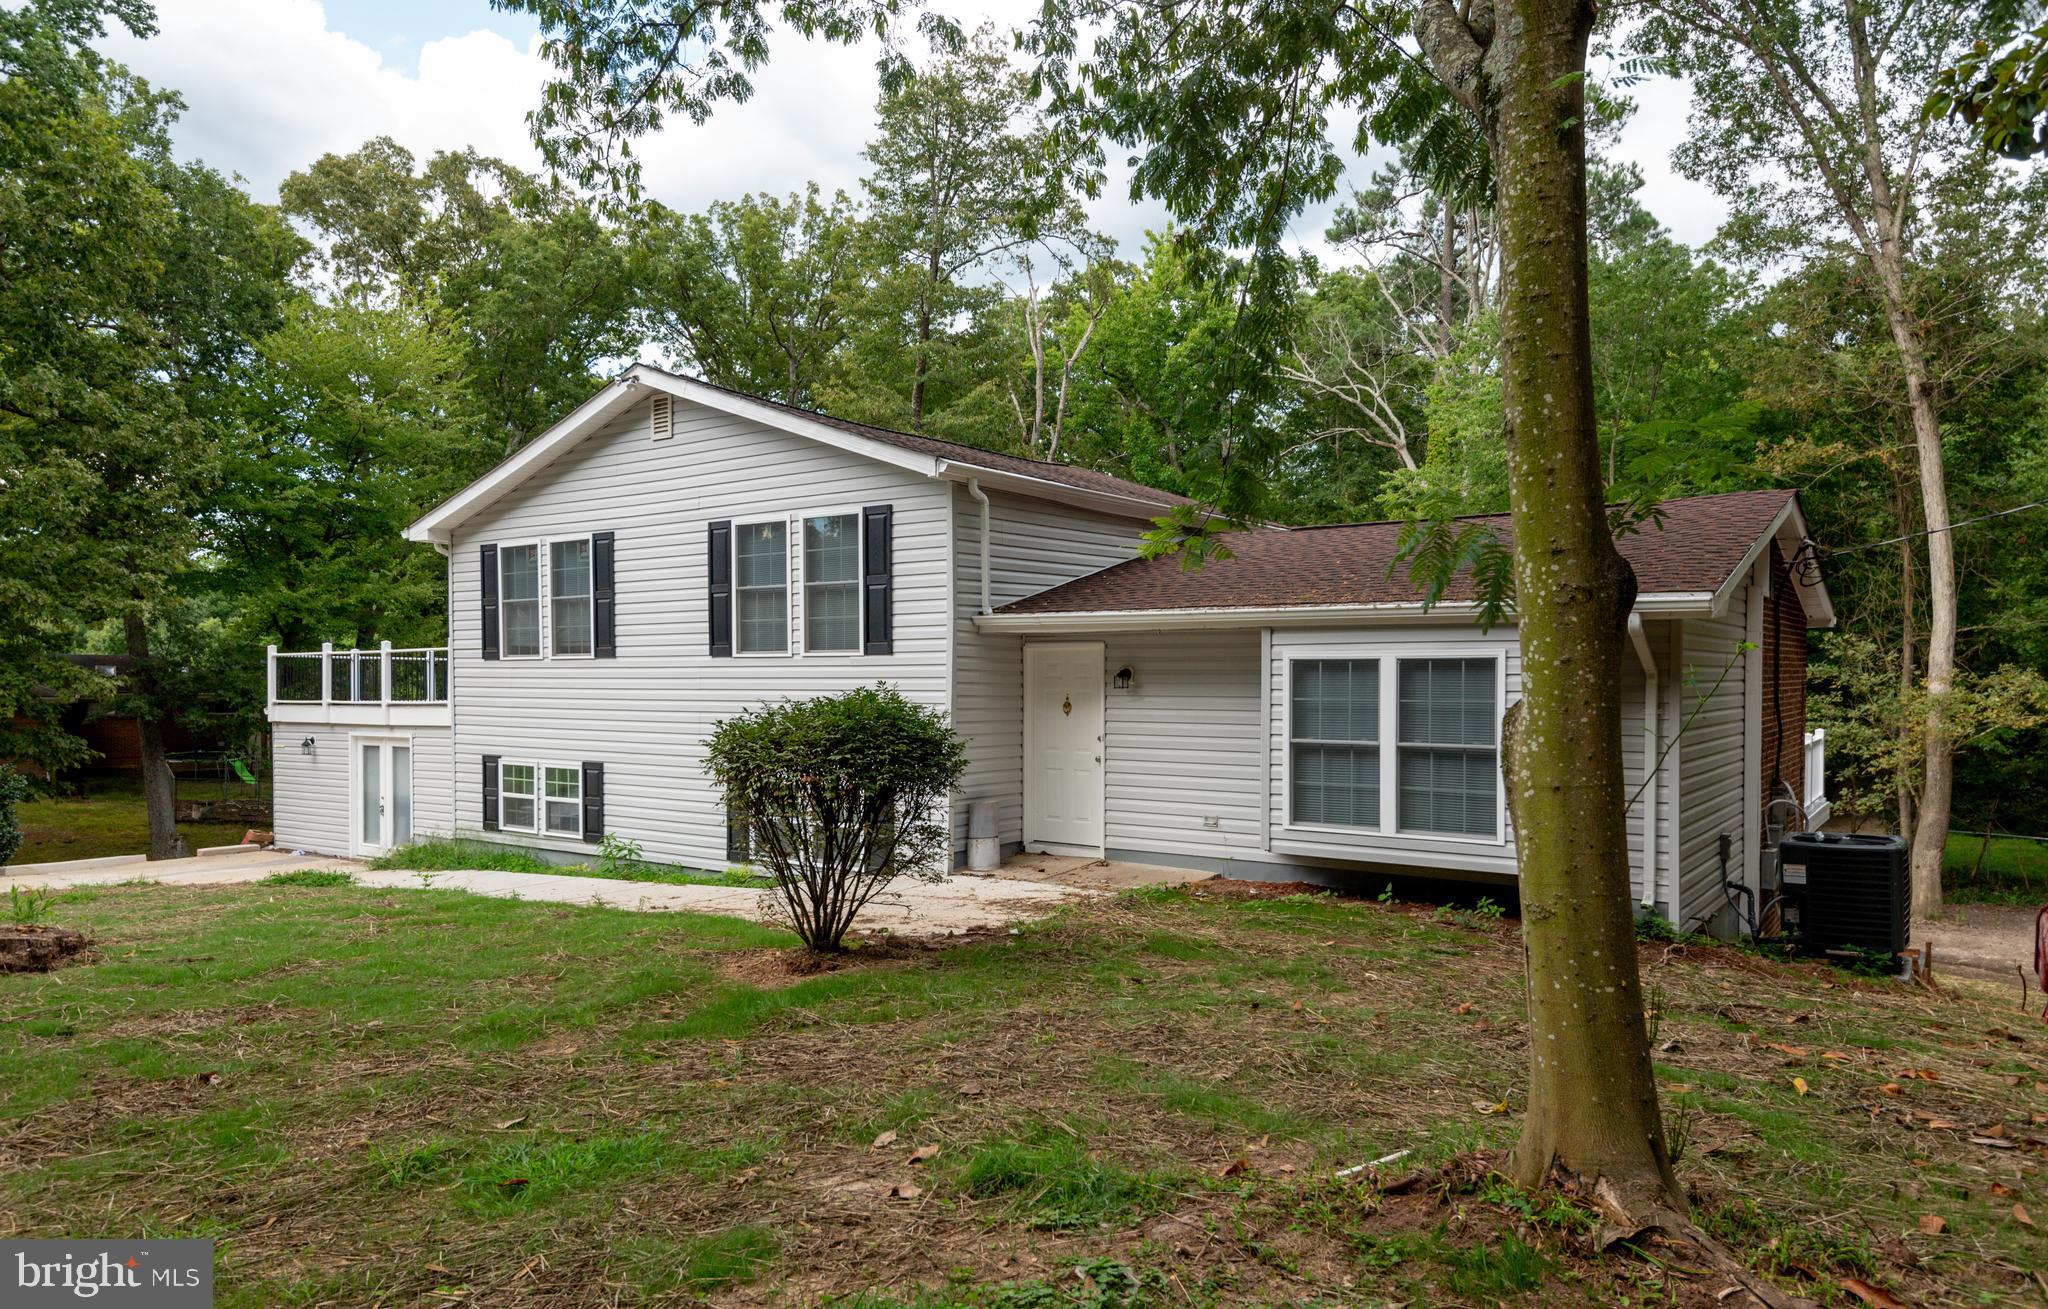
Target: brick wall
1784, 706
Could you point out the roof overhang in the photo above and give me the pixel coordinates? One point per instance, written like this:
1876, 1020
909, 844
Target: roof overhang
1788, 529
1674, 604
642, 380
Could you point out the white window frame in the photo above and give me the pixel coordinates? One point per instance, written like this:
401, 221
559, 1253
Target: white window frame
1289, 740
1389, 656
800, 615
792, 587
538, 774
1499, 836
547, 595
540, 598
543, 826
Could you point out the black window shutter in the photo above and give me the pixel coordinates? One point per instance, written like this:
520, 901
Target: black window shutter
489, 557
720, 547
878, 583
603, 609
738, 848
593, 802
490, 793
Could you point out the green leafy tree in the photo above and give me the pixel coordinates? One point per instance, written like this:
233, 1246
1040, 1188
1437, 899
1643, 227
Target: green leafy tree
840, 795
1809, 118
356, 419
1998, 88
757, 294
134, 285
539, 280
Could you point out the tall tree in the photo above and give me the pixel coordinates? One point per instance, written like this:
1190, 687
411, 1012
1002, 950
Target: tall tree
133, 285
1832, 93
757, 293
964, 172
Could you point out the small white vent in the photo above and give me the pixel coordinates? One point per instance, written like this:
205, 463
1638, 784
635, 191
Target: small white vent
664, 417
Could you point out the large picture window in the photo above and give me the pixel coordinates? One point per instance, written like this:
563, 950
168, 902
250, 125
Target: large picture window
1333, 736
832, 583
569, 626
1448, 749
519, 600
761, 586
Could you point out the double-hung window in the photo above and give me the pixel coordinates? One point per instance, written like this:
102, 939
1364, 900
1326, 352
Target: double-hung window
569, 612
564, 801
832, 583
1449, 756
519, 600
761, 586
1333, 740
516, 797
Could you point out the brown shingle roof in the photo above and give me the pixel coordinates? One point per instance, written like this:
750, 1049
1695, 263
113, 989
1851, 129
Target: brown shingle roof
1085, 479
1700, 543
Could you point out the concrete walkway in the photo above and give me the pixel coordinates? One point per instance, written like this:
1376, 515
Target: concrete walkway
963, 903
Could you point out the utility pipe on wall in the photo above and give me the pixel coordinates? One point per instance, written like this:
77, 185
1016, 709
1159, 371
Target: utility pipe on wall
981, 498
1640, 639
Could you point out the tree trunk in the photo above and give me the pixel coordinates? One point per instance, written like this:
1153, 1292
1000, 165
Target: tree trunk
1937, 782
159, 786
1908, 620
1592, 1113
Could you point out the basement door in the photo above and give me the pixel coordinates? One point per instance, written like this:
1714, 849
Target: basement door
1063, 747
383, 794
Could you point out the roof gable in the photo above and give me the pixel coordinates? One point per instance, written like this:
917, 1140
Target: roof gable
918, 454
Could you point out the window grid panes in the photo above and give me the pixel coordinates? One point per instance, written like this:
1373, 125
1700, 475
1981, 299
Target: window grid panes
761, 586
565, 801
569, 596
515, 796
1447, 754
832, 583
1333, 733
519, 601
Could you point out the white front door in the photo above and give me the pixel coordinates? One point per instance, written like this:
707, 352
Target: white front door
1063, 747
383, 795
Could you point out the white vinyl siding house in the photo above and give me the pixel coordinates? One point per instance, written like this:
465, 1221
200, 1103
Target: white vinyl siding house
672, 554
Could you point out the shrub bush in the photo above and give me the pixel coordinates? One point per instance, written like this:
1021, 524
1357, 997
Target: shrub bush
837, 795
13, 790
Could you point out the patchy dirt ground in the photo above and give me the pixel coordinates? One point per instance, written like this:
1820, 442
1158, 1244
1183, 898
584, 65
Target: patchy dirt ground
373, 1098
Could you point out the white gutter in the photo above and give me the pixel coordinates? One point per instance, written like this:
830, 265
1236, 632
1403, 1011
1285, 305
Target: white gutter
1638, 638
974, 489
1674, 604
1044, 488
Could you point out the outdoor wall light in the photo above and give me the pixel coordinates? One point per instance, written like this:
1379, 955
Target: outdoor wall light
1122, 680
306, 746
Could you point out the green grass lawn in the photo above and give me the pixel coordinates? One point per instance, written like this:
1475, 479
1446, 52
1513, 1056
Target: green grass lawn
108, 819
421, 1097
2012, 871
444, 853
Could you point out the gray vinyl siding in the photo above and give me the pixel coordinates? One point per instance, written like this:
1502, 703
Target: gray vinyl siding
1185, 747
1710, 759
647, 713
1033, 545
309, 792
312, 792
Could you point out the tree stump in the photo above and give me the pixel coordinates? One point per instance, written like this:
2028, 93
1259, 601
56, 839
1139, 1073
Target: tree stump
36, 949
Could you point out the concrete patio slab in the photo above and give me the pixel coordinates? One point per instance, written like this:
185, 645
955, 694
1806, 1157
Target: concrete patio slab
1095, 874
907, 907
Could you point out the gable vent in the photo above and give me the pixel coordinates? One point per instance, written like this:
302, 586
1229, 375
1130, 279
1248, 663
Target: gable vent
664, 417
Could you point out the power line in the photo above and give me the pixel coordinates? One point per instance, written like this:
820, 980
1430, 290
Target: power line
1806, 562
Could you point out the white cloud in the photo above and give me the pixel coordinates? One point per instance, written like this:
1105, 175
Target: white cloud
271, 85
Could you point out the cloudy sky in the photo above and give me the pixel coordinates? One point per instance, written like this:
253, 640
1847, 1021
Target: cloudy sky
273, 84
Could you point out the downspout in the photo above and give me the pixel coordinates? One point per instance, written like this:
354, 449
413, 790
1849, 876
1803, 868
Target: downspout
1640, 639
981, 498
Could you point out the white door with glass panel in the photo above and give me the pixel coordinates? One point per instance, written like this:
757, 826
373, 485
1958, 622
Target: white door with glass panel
383, 795
1063, 747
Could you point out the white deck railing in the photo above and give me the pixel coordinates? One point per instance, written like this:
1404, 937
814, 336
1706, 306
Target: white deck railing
1818, 806
382, 676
